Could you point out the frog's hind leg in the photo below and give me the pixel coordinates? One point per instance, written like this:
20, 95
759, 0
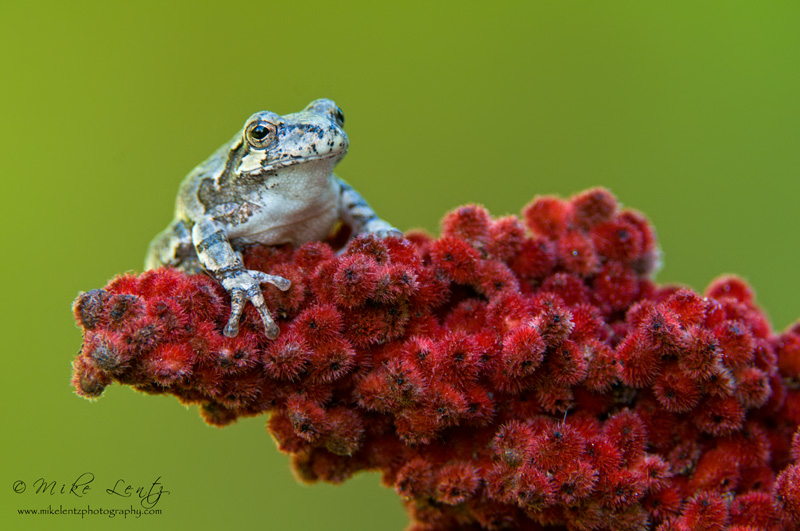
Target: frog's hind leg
173, 247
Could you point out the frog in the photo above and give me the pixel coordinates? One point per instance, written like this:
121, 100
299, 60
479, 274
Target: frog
271, 184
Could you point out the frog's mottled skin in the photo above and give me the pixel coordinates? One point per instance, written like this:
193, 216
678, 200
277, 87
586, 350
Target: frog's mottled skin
273, 183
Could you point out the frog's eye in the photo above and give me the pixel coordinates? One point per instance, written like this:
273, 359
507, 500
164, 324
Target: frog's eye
339, 115
259, 134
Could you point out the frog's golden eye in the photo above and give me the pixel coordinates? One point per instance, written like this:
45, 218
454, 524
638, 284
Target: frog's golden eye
339, 115
260, 134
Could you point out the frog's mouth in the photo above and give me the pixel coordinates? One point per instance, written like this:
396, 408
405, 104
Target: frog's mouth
257, 164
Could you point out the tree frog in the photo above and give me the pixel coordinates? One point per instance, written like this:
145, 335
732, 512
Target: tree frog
272, 183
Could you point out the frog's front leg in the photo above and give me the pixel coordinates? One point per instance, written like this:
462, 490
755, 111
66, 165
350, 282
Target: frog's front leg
218, 257
359, 216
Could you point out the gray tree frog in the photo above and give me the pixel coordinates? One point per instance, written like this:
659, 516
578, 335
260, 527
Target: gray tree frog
273, 183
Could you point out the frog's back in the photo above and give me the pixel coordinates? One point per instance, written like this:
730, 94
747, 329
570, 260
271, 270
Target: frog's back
173, 246
188, 206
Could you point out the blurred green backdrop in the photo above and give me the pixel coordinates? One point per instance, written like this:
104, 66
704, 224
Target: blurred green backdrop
688, 111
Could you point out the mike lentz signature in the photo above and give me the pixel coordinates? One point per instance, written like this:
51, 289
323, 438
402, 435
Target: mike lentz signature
149, 494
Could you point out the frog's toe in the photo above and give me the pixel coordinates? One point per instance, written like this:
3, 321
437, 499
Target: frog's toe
391, 233
231, 329
279, 282
238, 300
271, 329
382, 229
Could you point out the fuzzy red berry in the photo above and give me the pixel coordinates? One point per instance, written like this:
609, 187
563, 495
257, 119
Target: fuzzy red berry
497, 379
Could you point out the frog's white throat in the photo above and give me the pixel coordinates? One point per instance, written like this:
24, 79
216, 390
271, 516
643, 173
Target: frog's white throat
296, 205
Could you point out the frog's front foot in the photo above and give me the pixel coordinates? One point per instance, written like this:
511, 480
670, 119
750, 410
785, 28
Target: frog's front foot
382, 229
244, 285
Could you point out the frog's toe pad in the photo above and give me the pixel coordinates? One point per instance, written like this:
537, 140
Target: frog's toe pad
272, 331
231, 329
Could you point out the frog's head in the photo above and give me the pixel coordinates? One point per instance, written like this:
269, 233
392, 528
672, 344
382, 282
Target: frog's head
270, 142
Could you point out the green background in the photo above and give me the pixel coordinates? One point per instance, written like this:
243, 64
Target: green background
687, 111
